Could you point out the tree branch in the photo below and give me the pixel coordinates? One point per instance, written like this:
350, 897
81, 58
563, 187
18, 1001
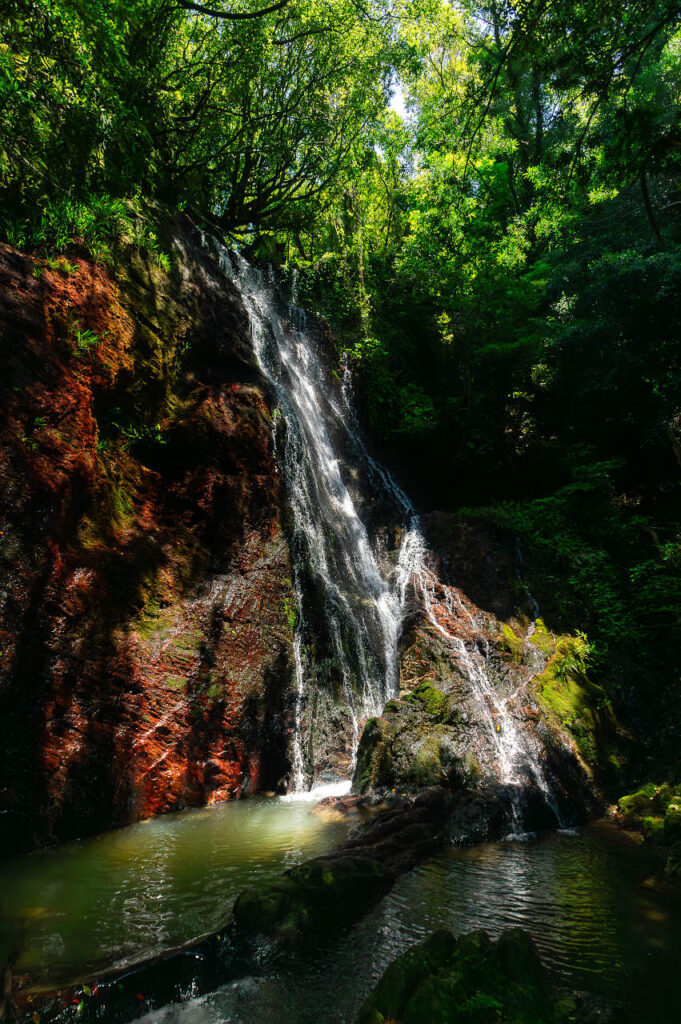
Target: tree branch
212, 12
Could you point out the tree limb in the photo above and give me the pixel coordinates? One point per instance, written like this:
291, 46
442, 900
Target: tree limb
212, 12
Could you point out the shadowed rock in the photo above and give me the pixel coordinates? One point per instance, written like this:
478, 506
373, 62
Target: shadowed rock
470, 979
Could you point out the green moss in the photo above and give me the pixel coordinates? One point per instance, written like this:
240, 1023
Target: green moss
290, 613
541, 637
653, 829
635, 805
663, 797
672, 824
655, 811
427, 768
154, 620
174, 682
511, 643
215, 692
570, 699
121, 507
471, 980
187, 643
392, 707
433, 701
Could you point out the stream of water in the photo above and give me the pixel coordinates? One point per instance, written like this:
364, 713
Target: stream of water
129, 894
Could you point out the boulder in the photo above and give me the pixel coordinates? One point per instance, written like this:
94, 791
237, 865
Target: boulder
471, 980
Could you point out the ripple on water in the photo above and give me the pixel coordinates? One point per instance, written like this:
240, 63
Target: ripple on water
579, 896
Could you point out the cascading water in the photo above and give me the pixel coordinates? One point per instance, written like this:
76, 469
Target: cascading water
360, 598
517, 762
357, 603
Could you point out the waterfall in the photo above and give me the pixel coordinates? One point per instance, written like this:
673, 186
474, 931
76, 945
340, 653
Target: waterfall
360, 597
358, 604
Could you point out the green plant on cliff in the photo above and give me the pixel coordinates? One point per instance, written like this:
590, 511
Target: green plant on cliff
572, 700
85, 339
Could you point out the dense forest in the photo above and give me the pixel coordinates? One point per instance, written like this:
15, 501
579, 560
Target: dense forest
479, 204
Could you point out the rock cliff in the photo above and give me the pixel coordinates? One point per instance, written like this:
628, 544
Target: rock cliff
490, 700
145, 595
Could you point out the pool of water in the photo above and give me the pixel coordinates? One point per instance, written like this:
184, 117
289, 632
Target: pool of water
121, 897
580, 896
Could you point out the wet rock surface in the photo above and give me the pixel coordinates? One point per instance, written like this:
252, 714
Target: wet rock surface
146, 644
490, 701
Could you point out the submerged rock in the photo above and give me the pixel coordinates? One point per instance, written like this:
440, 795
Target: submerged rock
311, 901
470, 979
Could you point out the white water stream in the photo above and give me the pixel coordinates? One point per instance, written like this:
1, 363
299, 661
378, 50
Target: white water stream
362, 598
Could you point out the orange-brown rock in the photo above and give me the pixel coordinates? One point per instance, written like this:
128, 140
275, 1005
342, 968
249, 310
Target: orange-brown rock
145, 644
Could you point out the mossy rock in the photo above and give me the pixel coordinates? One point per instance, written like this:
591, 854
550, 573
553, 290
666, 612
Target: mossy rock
511, 643
470, 979
672, 824
573, 702
653, 829
411, 748
433, 701
636, 805
542, 638
647, 809
373, 756
655, 811
310, 901
662, 799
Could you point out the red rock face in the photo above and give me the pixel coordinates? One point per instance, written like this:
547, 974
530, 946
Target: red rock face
145, 581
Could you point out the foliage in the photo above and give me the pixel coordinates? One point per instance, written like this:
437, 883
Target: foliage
242, 118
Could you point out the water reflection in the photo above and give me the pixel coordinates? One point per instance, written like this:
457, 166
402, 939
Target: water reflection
135, 892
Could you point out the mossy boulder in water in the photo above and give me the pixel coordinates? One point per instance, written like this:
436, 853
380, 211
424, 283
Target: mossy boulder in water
470, 979
311, 900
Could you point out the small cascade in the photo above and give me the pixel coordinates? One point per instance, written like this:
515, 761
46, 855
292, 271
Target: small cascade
360, 597
518, 764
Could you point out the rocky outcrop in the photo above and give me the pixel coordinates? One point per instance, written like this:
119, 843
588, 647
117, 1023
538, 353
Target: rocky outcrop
145, 609
478, 679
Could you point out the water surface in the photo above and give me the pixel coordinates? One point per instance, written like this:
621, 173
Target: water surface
138, 891
579, 895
